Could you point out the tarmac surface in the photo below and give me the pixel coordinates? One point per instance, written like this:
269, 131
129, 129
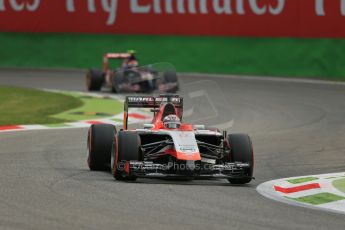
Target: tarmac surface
297, 129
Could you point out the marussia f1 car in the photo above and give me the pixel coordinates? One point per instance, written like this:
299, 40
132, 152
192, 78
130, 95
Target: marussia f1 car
159, 77
156, 150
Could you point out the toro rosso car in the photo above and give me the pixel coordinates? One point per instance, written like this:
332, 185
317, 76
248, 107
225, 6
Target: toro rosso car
167, 147
130, 78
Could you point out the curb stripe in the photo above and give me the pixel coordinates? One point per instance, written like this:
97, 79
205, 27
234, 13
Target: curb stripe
321, 194
11, 127
94, 122
297, 188
137, 116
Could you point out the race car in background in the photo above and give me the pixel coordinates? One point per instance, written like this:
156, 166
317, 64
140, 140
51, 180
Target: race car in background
167, 147
131, 78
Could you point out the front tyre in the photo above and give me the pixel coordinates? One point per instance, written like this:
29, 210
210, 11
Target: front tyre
126, 148
99, 142
113, 161
241, 151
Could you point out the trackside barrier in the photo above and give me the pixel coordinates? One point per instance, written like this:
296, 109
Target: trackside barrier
258, 18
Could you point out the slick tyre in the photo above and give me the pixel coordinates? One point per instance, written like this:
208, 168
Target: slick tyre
99, 143
128, 148
94, 80
241, 151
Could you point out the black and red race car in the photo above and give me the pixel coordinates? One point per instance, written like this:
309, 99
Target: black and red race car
129, 78
179, 151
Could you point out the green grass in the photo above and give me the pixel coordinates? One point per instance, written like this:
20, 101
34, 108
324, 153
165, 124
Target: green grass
340, 185
29, 106
92, 108
320, 198
315, 58
302, 180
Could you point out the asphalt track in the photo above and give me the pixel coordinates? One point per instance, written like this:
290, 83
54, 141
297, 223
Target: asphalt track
297, 129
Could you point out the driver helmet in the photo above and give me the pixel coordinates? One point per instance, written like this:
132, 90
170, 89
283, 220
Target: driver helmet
131, 52
172, 122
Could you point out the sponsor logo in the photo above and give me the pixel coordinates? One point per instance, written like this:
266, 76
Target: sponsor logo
108, 6
320, 7
188, 149
312, 18
182, 7
140, 99
202, 7
165, 99
18, 5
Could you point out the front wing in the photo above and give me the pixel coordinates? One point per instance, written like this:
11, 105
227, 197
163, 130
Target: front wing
153, 170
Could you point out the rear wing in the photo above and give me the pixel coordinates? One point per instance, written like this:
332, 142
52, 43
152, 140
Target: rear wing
108, 56
150, 102
116, 55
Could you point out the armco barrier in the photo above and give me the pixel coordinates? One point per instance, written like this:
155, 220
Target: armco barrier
259, 18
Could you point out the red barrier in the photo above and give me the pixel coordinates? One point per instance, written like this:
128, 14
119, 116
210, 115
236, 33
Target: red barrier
260, 18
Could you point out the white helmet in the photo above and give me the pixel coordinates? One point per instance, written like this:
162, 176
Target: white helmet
172, 122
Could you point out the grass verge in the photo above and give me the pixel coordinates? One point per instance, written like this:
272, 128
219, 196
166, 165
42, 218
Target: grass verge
21, 106
302, 180
92, 108
317, 199
340, 185
314, 58
29, 106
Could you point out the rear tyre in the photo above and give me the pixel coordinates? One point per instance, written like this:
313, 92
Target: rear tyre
171, 77
94, 80
128, 148
241, 151
99, 141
